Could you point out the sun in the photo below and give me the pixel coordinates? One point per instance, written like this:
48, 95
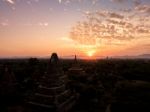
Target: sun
90, 53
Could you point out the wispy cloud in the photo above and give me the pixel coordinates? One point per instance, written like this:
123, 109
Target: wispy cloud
119, 1
115, 15
59, 1
67, 39
4, 24
43, 23
109, 14
36, 0
10, 1
143, 8
137, 2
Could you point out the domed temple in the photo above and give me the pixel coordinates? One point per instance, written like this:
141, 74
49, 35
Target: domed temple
51, 94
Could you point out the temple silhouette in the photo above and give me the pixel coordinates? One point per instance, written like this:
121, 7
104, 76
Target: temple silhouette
59, 85
52, 93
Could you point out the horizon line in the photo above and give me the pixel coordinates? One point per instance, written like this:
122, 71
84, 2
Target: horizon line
79, 57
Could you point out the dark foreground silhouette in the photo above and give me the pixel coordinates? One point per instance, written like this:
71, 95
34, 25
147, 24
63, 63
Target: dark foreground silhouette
65, 85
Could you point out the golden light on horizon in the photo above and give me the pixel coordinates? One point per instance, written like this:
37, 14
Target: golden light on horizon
90, 53
87, 50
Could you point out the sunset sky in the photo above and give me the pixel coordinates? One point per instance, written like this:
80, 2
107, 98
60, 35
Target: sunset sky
68, 27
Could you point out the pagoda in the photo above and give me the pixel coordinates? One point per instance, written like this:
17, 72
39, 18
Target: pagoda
51, 94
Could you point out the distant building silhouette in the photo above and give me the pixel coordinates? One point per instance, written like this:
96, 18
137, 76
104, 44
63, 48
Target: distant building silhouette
75, 59
76, 70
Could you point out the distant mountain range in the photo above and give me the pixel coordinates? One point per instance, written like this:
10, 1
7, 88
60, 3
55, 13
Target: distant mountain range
141, 56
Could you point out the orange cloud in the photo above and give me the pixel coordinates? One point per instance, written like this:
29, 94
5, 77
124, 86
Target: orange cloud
108, 25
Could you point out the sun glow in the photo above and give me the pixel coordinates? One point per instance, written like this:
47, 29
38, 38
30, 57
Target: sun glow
90, 53
88, 50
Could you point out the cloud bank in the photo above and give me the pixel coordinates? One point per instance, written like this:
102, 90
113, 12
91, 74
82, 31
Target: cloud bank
113, 26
